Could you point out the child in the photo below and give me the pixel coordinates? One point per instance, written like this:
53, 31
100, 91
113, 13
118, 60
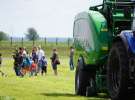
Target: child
55, 61
33, 69
25, 65
44, 65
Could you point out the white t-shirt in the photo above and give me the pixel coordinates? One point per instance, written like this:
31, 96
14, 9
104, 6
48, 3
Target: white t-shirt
24, 52
40, 54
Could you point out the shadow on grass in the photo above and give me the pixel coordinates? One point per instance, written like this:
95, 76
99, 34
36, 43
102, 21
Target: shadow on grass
99, 96
58, 94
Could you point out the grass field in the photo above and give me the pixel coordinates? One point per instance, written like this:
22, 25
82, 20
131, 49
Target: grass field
47, 87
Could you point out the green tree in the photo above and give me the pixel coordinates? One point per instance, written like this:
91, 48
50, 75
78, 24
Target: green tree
3, 36
32, 34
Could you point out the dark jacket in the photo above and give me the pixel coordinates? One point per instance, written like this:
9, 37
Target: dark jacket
18, 59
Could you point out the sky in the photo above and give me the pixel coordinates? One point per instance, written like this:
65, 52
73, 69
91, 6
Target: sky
51, 18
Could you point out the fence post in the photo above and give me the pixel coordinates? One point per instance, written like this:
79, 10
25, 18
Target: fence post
11, 41
56, 41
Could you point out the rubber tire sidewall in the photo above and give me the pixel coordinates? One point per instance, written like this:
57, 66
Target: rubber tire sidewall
82, 76
121, 52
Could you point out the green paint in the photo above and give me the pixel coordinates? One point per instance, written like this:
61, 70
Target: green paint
104, 24
99, 35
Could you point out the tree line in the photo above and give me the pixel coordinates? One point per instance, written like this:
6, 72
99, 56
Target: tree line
31, 35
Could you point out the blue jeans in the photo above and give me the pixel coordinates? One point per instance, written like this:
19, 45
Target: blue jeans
71, 63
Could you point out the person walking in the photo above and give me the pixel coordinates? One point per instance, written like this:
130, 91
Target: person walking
33, 68
40, 54
71, 56
25, 66
34, 55
18, 59
55, 61
44, 66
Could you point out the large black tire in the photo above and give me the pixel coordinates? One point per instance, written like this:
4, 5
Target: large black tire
117, 72
82, 79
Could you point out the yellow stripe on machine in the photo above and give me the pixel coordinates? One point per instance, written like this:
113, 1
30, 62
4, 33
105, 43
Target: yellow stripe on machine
104, 30
104, 48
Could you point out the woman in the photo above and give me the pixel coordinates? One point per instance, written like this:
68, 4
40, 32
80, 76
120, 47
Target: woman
55, 61
34, 55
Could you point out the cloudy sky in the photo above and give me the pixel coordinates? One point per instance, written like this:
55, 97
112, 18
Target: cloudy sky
51, 18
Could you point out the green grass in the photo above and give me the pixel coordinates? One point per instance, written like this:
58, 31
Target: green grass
47, 87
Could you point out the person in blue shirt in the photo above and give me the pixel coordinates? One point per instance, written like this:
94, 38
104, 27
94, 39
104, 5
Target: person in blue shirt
44, 65
25, 65
34, 54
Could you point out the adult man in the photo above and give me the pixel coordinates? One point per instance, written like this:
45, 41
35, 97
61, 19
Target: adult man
40, 55
71, 63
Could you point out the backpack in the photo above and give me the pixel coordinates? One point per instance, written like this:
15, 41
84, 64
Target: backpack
26, 62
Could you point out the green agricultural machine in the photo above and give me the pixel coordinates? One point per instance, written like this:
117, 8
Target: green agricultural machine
104, 39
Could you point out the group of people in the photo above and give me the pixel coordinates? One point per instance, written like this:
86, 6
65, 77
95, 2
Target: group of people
36, 62
33, 63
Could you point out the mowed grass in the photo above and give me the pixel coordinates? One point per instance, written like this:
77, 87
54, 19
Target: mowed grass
48, 87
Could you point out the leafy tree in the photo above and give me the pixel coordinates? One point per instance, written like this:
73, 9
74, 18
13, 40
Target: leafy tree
32, 34
3, 36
